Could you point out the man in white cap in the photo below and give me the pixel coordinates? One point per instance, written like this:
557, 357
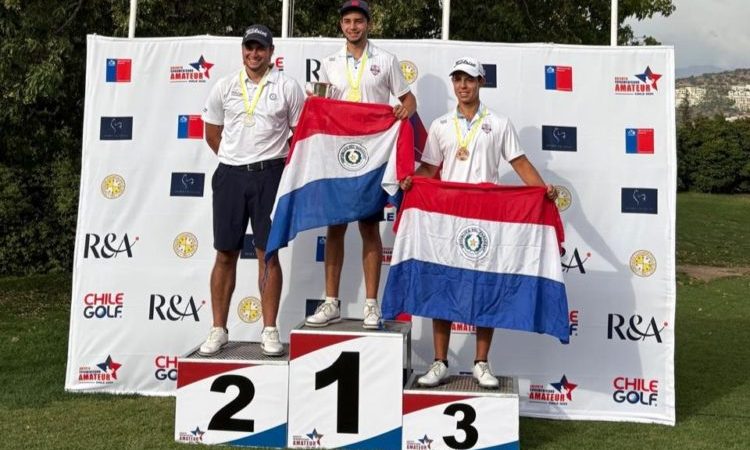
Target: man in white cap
360, 72
471, 143
249, 116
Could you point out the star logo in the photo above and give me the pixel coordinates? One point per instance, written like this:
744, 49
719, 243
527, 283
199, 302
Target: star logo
425, 441
566, 385
649, 77
197, 433
109, 367
315, 436
202, 66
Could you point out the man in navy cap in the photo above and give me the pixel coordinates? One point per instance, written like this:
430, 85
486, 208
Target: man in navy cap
360, 72
249, 117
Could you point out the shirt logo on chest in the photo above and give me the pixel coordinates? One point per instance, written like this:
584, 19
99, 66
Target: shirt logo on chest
375, 69
486, 127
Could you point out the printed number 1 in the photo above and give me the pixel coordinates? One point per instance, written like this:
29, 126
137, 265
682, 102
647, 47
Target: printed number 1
345, 371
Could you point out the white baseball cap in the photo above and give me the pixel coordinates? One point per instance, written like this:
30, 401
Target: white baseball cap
468, 65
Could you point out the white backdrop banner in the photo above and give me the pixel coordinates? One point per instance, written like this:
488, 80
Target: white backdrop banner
598, 122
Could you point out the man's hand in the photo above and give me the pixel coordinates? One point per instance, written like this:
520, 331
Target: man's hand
551, 192
400, 112
405, 183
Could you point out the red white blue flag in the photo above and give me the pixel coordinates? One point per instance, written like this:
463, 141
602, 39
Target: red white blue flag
346, 159
479, 254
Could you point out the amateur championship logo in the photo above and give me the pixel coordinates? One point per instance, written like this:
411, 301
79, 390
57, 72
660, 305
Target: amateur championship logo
645, 83
192, 436
102, 373
559, 393
113, 186
308, 440
423, 443
353, 156
473, 242
194, 72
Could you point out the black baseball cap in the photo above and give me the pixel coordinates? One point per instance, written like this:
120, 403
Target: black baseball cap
258, 33
355, 5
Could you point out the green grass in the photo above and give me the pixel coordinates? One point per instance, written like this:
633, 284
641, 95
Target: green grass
712, 363
713, 230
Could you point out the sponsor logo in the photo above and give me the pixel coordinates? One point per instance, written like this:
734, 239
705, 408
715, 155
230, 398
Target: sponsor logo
166, 368
176, 309
635, 328
639, 200
312, 70
249, 309
409, 71
636, 391
559, 393
107, 247
116, 129
463, 328
564, 198
118, 70
192, 436
640, 84
473, 242
113, 186
248, 248
353, 156
558, 78
194, 72
185, 245
423, 443
105, 305
187, 184
573, 320
311, 304
189, 126
102, 373
375, 70
320, 249
490, 75
574, 261
486, 127
643, 263
639, 140
559, 138
279, 64
387, 255
309, 440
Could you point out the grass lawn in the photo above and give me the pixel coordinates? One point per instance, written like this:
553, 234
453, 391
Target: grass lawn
712, 364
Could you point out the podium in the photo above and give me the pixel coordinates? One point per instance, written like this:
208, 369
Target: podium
237, 397
461, 415
345, 385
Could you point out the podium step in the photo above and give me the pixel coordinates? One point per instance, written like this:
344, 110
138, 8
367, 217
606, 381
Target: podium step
466, 384
240, 351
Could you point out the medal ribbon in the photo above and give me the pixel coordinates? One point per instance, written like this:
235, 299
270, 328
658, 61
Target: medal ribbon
250, 107
355, 95
463, 142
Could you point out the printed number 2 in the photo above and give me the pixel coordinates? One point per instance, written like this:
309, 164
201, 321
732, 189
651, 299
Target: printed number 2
469, 416
345, 371
223, 419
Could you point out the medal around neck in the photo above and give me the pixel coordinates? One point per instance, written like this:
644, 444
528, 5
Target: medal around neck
249, 120
462, 154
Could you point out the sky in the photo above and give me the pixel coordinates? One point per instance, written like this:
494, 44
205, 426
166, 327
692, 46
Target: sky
703, 32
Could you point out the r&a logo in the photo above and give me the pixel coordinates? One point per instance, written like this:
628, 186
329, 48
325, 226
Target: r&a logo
575, 261
108, 246
636, 328
176, 309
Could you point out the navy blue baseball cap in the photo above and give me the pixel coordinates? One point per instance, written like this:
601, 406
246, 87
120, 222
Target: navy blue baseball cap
258, 33
355, 5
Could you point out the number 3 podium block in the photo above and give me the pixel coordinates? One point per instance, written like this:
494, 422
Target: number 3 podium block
237, 397
346, 385
461, 415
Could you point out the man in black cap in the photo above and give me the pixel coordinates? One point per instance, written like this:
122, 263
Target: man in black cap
249, 117
360, 72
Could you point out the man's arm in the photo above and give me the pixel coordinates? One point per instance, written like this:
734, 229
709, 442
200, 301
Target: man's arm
424, 170
530, 176
407, 107
213, 136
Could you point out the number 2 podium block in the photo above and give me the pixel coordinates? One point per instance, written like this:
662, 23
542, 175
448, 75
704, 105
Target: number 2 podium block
237, 397
461, 415
346, 385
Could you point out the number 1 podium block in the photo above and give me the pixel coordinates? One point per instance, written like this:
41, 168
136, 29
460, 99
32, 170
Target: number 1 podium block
461, 415
236, 397
346, 384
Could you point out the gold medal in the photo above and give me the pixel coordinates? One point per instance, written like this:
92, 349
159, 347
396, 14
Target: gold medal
355, 95
355, 92
462, 153
463, 141
249, 120
250, 105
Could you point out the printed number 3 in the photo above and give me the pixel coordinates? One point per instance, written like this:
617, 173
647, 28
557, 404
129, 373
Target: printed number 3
469, 416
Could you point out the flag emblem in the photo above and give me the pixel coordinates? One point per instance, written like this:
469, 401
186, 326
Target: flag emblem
473, 242
353, 156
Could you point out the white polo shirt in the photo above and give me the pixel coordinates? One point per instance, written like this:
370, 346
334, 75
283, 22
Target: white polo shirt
494, 142
381, 77
277, 111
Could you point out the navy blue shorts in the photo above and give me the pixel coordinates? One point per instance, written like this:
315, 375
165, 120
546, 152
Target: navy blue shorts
243, 194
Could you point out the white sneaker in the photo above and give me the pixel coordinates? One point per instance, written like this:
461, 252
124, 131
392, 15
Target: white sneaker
437, 374
269, 342
372, 317
484, 377
217, 338
327, 312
